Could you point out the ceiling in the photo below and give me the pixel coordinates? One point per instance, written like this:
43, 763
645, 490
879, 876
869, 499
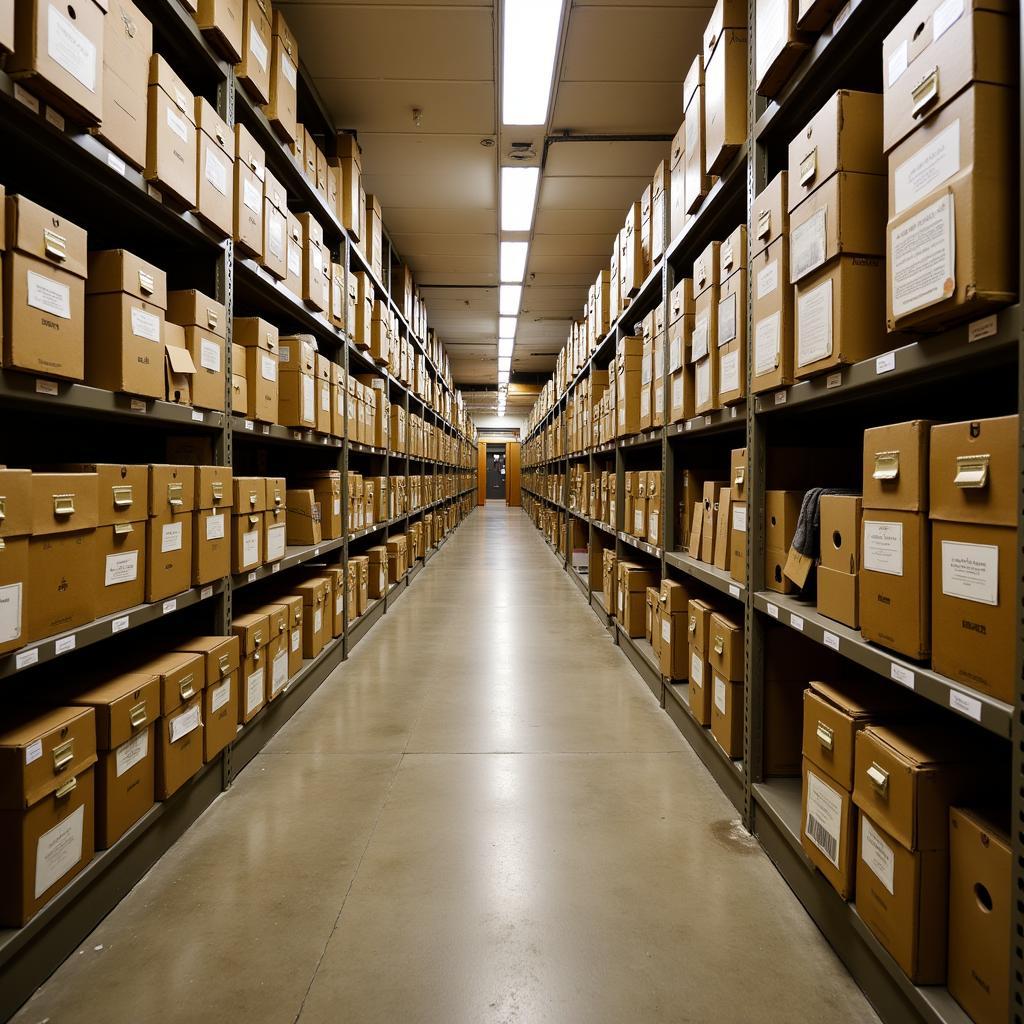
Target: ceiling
619, 72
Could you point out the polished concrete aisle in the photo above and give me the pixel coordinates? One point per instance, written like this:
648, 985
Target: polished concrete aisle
483, 817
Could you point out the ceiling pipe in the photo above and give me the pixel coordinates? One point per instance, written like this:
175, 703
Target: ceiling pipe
567, 136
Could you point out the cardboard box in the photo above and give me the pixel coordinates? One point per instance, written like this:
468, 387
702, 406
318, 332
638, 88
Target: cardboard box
696, 181
814, 15
171, 146
828, 822
126, 300
15, 529
840, 517
374, 240
179, 370
127, 48
732, 320
282, 109
179, 730
896, 466
315, 625
377, 582
725, 84
297, 384
324, 397
260, 341
44, 272
215, 164
58, 55
221, 23
738, 541
725, 647
350, 164
316, 264
293, 604
254, 69
275, 523
838, 595
222, 656
205, 323
980, 864
253, 632
274, 249
276, 650
48, 807
727, 714
723, 529
780, 47
304, 513
250, 170
709, 529
169, 539
677, 184
246, 541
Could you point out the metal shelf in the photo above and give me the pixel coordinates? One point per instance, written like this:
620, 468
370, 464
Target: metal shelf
709, 574
991, 714
253, 430
641, 545
645, 439
604, 527
294, 555
732, 417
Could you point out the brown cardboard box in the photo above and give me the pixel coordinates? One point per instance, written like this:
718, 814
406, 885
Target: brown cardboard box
276, 650
127, 47
629, 365
840, 516
125, 709
633, 583
179, 370
250, 171
171, 145
297, 384
772, 317
673, 604
239, 384
896, 466
169, 539
215, 165
15, 529
732, 321
260, 340
205, 323
323, 399
738, 541
254, 70
124, 321
275, 523
351, 205
221, 23
304, 513
179, 730
696, 181
246, 541
709, 529
222, 656
374, 240
727, 714
723, 529
211, 543
677, 186
780, 47
973, 473
700, 683
980, 865
362, 564
725, 84
44, 272
253, 632
705, 383
377, 582
895, 581
327, 490
828, 819
293, 604
62, 556
283, 105
46, 803
725, 647
769, 219
838, 595
316, 264
274, 249
58, 55
315, 622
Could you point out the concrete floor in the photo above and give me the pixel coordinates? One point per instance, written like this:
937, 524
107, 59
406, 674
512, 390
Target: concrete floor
483, 817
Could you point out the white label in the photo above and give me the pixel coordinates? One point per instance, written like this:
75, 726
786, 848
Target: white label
26, 658
47, 387
830, 640
726, 319
279, 672
33, 751
966, 705
824, 817
739, 518
971, 572
254, 691
205, 593
181, 725
773, 610
902, 675
250, 547
677, 391
703, 377
766, 344
337, 506
922, 258
768, 279
696, 670
215, 527
216, 171
116, 163
25, 98
209, 355
897, 63
220, 695
257, 47
885, 362
876, 853
73, 50
284, 355
170, 538
268, 368
251, 195
121, 568
170, 605
275, 542
275, 232
294, 267
638, 521
318, 620
145, 325
308, 406
945, 15
288, 69
720, 693
119, 625
666, 630
60, 849
10, 612
807, 246
338, 604
296, 639
131, 752
780, 397
928, 168
621, 603
325, 397
729, 372
177, 124
797, 622
48, 295
699, 338
814, 324
197, 416
883, 547
986, 327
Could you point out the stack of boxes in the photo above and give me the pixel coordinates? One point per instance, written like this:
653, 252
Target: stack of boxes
732, 319
704, 340
698, 627
772, 311
725, 660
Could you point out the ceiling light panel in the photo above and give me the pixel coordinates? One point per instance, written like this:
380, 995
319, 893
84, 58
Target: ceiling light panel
513, 261
505, 346
518, 197
509, 297
530, 34
506, 326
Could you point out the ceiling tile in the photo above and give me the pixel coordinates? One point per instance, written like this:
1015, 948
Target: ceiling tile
591, 193
630, 108
605, 159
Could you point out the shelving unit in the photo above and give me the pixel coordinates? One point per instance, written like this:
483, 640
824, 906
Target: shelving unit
78, 175
875, 391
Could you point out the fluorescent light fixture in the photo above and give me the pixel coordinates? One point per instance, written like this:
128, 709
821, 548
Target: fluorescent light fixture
501, 414
509, 297
506, 327
504, 364
518, 195
505, 347
513, 260
503, 376
530, 41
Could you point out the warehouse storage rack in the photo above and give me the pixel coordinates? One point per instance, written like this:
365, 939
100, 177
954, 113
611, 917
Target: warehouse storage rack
847, 55
74, 173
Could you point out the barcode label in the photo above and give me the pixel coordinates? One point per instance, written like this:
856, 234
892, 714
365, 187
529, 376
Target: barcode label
824, 817
819, 835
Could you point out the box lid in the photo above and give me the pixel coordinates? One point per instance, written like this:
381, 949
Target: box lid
172, 489
727, 14
253, 632
248, 152
285, 37
313, 592
161, 74
297, 353
674, 596
733, 252
211, 124
43, 752
124, 706
190, 308
276, 492
16, 507
347, 148
896, 466
769, 219
117, 270
253, 332
222, 655
274, 192
64, 503
182, 675
706, 268
250, 494
213, 488
122, 491
277, 618
36, 231
693, 83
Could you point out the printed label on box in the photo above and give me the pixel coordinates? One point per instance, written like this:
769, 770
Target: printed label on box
216, 171
807, 246
944, 17
254, 691
699, 338
59, 850
294, 262
181, 725
215, 527
209, 355
739, 518
131, 752
257, 47
220, 695
275, 542
296, 639
251, 195
170, 537
729, 372
177, 124
897, 63
250, 548
318, 620
922, 258
703, 378
275, 233
883, 547
666, 631
726, 319
928, 168
325, 397
768, 279
971, 572
696, 670
121, 568
720, 694
308, 407
10, 612
279, 672
876, 853
288, 69
814, 324
145, 325
268, 368
33, 751
73, 50
766, 344
48, 295
824, 823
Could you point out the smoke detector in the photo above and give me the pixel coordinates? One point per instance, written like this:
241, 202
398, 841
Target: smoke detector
522, 151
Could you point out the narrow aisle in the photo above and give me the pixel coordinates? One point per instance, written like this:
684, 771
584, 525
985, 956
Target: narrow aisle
502, 830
